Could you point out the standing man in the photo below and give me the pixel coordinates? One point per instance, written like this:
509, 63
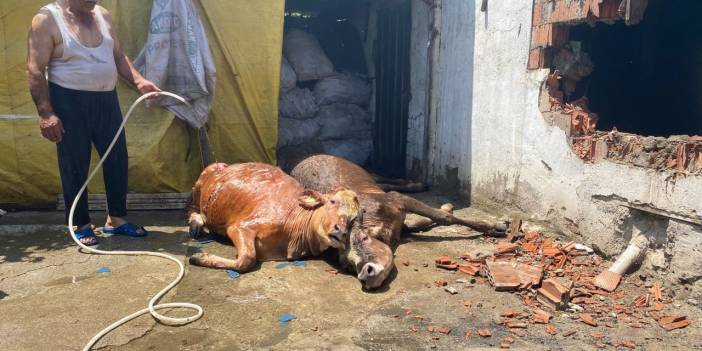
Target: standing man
74, 42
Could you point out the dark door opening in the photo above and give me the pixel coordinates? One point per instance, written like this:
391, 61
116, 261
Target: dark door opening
392, 84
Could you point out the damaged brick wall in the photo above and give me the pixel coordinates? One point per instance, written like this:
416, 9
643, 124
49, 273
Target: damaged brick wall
550, 48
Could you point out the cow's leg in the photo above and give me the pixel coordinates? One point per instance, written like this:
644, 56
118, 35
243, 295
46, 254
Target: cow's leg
423, 223
246, 253
404, 188
196, 222
440, 217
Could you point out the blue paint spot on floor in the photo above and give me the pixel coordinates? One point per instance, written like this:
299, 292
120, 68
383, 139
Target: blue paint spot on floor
285, 318
232, 274
103, 270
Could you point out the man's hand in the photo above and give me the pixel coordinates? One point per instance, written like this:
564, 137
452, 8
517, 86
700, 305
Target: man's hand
146, 86
51, 128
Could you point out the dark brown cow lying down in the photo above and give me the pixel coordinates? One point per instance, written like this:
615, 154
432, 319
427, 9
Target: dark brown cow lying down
267, 214
384, 213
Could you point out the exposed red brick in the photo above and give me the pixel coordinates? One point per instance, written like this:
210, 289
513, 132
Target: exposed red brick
628, 344
672, 323
549, 35
508, 313
450, 267
608, 9
444, 330
502, 275
505, 345
531, 236
597, 335
469, 269
569, 11
541, 316
505, 247
440, 283
529, 275
552, 294
484, 333
551, 329
539, 58
587, 319
537, 13
550, 251
516, 325
443, 260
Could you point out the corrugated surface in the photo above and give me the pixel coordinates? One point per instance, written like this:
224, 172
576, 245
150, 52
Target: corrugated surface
453, 148
392, 90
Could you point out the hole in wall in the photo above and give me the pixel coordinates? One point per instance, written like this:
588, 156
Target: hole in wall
624, 88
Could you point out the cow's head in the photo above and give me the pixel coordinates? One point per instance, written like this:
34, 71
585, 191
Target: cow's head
334, 214
370, 258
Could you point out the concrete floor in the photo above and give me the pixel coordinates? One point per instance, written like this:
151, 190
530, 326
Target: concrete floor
52, 298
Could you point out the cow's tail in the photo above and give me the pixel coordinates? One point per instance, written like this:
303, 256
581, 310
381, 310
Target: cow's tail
196, 219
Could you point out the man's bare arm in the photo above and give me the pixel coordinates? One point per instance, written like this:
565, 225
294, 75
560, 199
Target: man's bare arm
125, 67
40, 44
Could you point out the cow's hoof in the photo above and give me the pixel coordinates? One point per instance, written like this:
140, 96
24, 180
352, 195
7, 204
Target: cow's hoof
199, 259
448, 208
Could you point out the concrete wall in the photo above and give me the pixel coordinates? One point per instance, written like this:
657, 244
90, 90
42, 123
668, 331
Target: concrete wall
517, 159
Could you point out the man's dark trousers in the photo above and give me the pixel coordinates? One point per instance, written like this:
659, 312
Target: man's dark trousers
90, 117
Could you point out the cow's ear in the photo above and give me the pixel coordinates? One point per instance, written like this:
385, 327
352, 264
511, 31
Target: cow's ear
310, 199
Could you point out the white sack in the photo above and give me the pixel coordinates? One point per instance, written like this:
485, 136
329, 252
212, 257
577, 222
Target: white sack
306, 56
288, 78
298, 103
354, 150
295, 132
342, 88
344, 121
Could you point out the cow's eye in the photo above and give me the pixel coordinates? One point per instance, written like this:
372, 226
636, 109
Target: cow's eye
333, 202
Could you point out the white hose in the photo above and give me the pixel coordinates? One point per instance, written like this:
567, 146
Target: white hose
152, 303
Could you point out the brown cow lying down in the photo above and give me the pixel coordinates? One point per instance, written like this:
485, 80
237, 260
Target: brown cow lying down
267, 214
384, 213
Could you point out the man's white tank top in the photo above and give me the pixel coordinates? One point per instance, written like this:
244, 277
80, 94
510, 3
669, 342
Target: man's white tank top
81, 67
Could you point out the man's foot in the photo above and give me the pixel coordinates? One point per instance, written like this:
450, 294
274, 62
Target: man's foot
86, 236
120, 226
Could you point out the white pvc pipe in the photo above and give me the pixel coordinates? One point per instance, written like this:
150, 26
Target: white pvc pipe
632, 254
152, 307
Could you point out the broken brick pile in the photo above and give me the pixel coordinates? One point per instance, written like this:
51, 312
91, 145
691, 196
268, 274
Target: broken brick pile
680, 154
550, 276
551, 48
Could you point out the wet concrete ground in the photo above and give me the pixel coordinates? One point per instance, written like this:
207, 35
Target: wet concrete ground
53, 298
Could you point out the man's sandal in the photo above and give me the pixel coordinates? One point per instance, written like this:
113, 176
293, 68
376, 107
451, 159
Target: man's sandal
127, 229
87, 237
